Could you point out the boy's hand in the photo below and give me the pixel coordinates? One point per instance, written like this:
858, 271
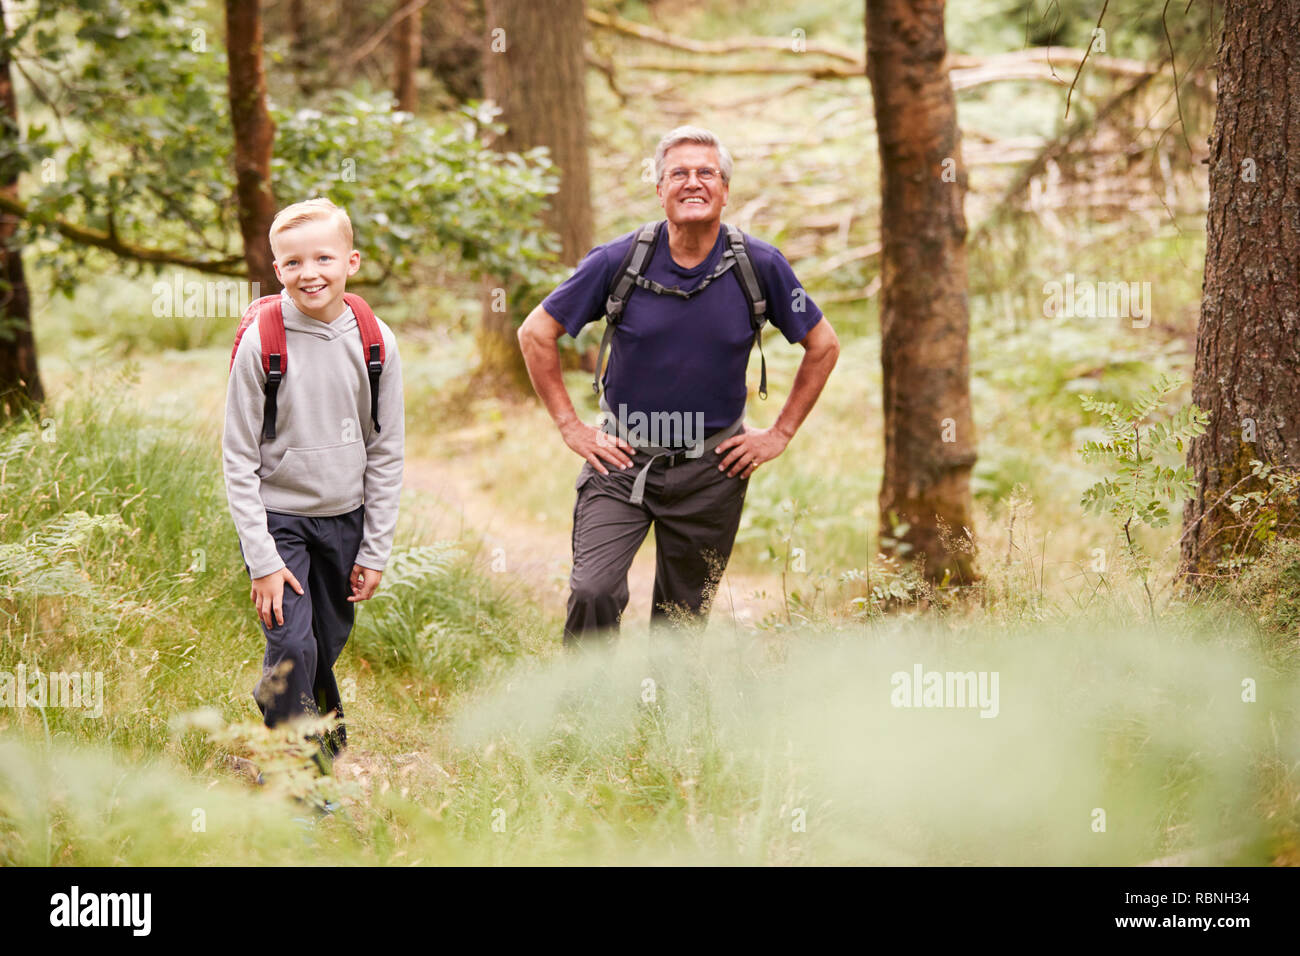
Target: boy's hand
364, 581
268, 595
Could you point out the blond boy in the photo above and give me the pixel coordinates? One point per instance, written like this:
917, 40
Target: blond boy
316, 505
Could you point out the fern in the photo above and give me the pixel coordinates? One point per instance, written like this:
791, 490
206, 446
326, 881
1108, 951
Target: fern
1139, 488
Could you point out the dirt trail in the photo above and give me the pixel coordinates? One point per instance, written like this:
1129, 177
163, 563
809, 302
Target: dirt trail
540, 554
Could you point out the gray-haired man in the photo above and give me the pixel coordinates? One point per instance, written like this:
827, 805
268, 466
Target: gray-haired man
678, 359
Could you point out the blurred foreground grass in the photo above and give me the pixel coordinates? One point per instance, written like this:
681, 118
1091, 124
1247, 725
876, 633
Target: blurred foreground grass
477, 740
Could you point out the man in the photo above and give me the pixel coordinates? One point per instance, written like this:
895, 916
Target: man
678, 359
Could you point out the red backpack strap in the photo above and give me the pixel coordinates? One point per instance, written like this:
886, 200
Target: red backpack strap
269, 314
372, 348
275, 357
274, 323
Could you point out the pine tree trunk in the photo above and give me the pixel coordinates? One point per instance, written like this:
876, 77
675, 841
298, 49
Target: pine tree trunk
929, 436
254, 138
20, 380
407, 59
539, 81
1248, 340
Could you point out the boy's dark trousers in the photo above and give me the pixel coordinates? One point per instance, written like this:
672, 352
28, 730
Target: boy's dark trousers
298, 669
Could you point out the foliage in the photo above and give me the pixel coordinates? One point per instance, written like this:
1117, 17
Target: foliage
135, 141
1261, 510
891, 583
415, 188
1140, 488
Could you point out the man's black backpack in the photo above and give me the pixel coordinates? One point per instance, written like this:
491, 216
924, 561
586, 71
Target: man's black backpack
629, 277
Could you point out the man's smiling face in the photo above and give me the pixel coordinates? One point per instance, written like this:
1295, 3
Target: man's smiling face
313, 263
693, 200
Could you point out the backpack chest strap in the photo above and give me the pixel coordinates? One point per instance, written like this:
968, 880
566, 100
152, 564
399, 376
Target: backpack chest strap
658, 288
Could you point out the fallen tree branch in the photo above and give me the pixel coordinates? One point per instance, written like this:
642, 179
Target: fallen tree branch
856, 254
606, 69
1050, 57
820, 71
1055, 149
1034, 63
109, 242
739, 45
857, 295
1027, 65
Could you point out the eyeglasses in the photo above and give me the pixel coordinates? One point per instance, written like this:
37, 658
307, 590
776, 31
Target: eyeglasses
704, 174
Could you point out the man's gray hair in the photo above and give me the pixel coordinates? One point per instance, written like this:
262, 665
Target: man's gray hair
692, 134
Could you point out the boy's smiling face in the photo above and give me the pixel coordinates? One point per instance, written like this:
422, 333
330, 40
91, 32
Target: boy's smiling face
313, 264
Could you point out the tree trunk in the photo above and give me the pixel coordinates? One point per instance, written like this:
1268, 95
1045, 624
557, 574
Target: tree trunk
254, 137
535, 70
20, 380
929, 436
300, 47
1248, 339
408, 59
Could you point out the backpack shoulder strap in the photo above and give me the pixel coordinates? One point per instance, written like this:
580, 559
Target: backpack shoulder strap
372, 348
269, 315
634, 265
252, 313
752, 286
750, 283
620, 290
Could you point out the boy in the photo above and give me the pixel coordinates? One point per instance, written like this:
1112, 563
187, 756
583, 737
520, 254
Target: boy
316, 505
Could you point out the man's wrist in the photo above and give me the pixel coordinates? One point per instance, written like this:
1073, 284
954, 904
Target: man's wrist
785, 431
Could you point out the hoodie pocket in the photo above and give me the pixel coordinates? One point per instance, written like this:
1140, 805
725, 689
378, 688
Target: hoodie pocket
327, 478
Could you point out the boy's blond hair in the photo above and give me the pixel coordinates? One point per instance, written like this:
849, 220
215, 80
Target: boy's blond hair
311, 210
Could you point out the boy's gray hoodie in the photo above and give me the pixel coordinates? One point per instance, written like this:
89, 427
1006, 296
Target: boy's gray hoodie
326, 458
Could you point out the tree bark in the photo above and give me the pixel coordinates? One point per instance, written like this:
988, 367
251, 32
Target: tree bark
929, 435
300, 47
407, 59
254, 138
539, 81
1248, 338
20, 381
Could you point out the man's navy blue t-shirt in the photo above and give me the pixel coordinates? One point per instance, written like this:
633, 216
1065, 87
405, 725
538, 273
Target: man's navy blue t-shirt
671, 354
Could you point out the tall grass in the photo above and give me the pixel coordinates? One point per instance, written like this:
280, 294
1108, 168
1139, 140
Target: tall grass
1109, 746
118, 556
473, 740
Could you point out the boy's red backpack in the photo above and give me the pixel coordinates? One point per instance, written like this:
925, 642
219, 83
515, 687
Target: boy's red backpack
275, 357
